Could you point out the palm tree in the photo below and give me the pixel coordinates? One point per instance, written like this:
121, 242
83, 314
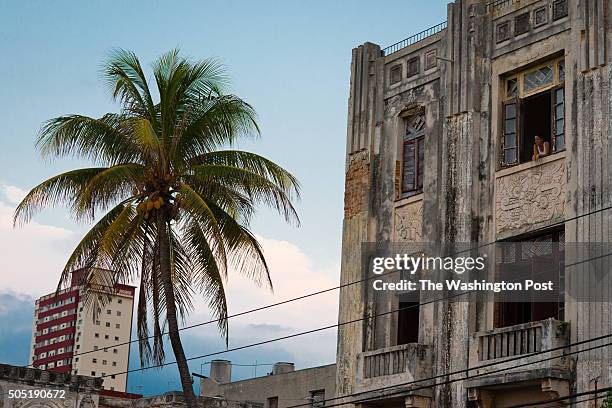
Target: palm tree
175, 199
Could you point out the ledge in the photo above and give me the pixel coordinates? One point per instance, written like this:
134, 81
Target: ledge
529, 165
400, 202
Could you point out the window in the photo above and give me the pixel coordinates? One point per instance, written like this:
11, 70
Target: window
431, 60
521, 24
560, 9
107, 324
113, 376
317, 398
540, 16
93, 373
108, 311
96, 335
114, 364
119, 301
118, 313
527, 258
117, 326
103, 362
413, 154
395, 74
534, 105
94, 360
272, 402
412, 67
115, 351
116, 338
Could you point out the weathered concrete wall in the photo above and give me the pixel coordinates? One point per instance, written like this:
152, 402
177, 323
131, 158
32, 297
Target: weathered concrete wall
77, 391
467, 196
173, 399
290, 388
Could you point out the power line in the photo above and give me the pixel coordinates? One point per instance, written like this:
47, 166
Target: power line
329, 289
468, 369
361, 319
463, 371
579, 394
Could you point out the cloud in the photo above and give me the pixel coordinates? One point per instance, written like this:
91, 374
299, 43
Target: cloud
12, 194
33, 255
36, 253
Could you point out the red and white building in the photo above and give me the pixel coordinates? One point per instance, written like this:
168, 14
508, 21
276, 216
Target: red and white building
67, 338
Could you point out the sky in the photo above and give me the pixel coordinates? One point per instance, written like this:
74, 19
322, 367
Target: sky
290, 59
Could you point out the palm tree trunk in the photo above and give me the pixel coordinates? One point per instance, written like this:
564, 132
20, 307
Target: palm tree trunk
173, 329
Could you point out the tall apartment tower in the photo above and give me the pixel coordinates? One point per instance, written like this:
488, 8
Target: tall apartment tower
440, 148
66, 338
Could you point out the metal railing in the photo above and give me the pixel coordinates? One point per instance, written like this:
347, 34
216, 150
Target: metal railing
499, 4
414, 39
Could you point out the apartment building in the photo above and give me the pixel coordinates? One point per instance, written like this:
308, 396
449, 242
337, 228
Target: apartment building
67, 339
441, 148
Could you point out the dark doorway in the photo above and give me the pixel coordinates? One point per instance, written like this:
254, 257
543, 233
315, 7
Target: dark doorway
536, 120
408, 323
536, 256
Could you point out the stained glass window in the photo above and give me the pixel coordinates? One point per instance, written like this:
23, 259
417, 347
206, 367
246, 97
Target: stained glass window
538, 78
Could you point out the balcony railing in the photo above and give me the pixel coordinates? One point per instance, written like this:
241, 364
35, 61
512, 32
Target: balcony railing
522, 339
414, 38
395, 364
510, 341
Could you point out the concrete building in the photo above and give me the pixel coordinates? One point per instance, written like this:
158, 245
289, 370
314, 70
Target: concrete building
64, 327
22, 387
283, 387
440, 143
32, 388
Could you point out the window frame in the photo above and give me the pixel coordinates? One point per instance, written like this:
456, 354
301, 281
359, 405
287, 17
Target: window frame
418, 140
556, 84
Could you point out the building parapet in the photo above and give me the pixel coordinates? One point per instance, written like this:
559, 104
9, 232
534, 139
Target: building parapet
414, 38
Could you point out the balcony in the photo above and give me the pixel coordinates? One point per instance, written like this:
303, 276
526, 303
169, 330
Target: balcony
394, 365
496, 345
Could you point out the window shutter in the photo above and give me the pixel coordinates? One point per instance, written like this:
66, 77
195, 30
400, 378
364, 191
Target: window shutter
510, 134
409, 166
558, 118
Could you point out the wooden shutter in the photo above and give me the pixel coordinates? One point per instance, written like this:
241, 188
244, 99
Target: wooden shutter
510, 137
558, 119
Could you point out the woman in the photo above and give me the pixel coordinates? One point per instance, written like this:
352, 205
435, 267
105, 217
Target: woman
541, 148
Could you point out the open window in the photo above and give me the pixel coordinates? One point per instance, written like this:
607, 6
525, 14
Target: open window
533, 105
527, 259
408, 318
413, 154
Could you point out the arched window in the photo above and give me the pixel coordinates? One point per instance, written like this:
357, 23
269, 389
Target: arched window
413, 154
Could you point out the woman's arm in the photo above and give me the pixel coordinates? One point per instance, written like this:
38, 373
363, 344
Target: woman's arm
546, 148
534, 156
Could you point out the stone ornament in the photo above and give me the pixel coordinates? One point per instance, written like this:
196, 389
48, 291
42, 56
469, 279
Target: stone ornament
530, 197
408, 222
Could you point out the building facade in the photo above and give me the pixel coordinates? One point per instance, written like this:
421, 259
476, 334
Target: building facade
283, 387
440, 148
32, 388
66, 337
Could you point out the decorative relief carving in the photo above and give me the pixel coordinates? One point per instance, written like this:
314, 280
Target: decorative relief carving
408, 222
530, 196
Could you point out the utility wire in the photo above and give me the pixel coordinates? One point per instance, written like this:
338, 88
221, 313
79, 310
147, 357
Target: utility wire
361, 319
463, 371
327, 290
579, 394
